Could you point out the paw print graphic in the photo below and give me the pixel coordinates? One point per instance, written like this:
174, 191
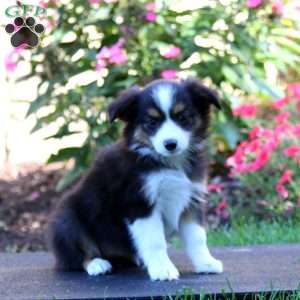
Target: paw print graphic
24, 32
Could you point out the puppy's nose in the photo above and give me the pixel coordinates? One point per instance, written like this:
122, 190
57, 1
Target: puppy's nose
170, 144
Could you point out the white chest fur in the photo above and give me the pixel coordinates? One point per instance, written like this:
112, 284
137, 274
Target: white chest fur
171, 192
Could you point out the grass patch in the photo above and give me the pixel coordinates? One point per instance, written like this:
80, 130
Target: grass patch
254, 233
188, 294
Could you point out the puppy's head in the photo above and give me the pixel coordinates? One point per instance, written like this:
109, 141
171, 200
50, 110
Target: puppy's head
165, 117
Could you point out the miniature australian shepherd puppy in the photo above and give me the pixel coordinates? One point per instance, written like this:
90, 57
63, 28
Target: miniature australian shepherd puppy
143, 188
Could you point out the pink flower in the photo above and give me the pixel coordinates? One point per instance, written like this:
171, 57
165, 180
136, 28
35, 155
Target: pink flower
286, 177
296, 130
254, 3
94, 1
294, 89
169, 74
278, 104
171, 52
11, 60
222, 205
282, 191
277, 7
215, 187
291, 151
150, 16
245, 110
101, 64
282, 117
151, 6
115, 55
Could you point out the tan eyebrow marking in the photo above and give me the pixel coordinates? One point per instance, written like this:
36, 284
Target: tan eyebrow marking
178, 108
152, 112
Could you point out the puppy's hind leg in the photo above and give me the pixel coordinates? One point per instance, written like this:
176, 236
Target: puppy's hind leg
64, 237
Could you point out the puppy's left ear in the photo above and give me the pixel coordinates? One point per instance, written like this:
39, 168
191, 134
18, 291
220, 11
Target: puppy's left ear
201, 95
124, 107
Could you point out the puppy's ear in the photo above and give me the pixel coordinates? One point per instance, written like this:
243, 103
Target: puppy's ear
124, 107
201, 95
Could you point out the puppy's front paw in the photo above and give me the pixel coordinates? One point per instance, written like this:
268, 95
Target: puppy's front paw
97, 266
163, 271
210, 265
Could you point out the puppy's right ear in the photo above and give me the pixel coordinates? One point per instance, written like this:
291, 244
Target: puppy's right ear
125, 106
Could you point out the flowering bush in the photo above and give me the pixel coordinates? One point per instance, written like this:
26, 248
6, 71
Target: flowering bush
93, 49
267, 163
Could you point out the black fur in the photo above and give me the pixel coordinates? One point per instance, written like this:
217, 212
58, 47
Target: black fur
91, 219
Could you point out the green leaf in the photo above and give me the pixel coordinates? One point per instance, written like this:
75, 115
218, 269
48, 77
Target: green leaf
230, 133
69, 178
64, 154
62, 131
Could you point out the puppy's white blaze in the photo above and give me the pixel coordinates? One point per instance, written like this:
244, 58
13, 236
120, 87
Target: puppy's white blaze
171, 193
163, 96
149, 240
194, 238
170, 130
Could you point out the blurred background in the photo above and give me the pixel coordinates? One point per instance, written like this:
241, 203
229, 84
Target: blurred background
54, 99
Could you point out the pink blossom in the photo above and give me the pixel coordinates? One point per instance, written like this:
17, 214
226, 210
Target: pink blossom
296, 130
169, 74
282, 117
294, 89
277, 7
278, 104
286, 177
215, 187
151, 6
245, 110
150, 16
101, 64
171, 52
222, 205
255, 132
94, 1
115, 55
291, 151
254, 3
282, 191
11, 60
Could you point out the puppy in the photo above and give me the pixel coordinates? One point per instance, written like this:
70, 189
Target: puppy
143, 188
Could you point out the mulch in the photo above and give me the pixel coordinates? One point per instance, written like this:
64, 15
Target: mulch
26, 200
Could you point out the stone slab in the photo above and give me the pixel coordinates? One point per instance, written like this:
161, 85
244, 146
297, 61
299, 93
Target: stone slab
30, 276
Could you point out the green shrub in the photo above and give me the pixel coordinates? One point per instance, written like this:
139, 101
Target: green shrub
227, 45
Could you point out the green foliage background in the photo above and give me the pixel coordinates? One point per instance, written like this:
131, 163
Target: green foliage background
227, 45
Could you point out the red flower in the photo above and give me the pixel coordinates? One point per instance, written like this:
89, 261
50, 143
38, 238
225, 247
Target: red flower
245, 110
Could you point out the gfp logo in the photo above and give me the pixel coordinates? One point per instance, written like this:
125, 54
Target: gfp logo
24, 30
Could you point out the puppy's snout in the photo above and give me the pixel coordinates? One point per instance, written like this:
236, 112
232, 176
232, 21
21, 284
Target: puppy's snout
170, 144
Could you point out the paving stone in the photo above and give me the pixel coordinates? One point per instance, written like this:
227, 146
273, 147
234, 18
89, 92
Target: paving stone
253, 269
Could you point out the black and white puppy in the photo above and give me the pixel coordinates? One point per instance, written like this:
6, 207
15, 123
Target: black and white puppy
143, 188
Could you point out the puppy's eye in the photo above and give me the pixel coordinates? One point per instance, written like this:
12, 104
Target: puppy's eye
151, 123
181, 117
